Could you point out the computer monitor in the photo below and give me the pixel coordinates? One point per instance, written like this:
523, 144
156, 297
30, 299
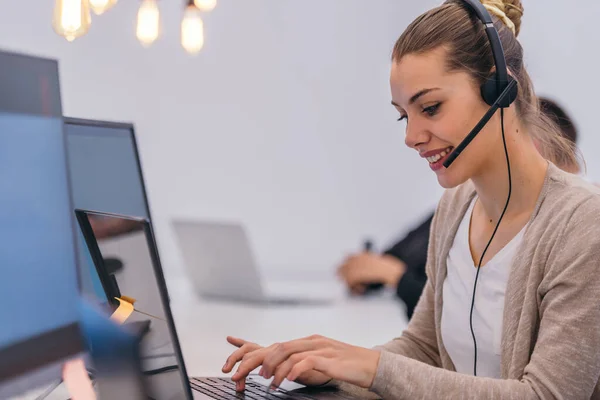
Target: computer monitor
106, 175
105, 167
39, 327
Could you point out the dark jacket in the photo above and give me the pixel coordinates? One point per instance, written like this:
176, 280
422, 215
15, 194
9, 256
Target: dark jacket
412, 250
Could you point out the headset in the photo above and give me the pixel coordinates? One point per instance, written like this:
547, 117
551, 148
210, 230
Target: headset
498, 91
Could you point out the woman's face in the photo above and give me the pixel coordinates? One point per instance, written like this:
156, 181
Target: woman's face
439, 109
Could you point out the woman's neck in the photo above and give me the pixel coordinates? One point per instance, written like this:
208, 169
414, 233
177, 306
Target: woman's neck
528, 172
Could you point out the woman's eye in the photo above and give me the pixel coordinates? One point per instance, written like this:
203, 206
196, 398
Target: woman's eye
402, 117
432, 110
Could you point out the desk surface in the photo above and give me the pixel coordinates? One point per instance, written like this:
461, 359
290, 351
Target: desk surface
202, 325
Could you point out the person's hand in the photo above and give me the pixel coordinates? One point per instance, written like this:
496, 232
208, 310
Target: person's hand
366, 268
251, 356
315, 359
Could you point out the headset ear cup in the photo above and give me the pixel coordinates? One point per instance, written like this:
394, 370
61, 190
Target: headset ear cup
490, 93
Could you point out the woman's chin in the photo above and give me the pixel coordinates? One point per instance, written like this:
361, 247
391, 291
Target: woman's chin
448, 180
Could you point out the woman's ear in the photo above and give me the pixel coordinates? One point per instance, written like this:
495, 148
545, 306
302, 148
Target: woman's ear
493, 71
537, 145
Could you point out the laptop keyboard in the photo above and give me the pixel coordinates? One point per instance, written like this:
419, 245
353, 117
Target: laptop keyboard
223, 388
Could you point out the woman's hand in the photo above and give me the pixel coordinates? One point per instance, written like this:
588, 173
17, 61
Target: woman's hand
366, 268
311, 361
252, 356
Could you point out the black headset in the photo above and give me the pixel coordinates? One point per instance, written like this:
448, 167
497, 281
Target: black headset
500, 90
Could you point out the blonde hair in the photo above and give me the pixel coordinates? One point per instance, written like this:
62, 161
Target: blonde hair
509, 12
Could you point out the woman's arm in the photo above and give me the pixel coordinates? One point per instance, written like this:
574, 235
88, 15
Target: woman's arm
418, 343
419, 339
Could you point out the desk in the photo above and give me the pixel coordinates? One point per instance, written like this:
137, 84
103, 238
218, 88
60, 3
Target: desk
202, 325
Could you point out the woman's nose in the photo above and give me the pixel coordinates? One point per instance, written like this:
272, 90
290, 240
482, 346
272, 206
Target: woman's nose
416, 134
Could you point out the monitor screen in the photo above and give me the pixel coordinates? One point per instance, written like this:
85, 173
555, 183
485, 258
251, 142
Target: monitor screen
139, 280
105, 176
104, 168
39, 311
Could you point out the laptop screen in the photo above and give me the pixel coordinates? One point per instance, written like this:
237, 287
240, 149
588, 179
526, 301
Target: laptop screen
126, 261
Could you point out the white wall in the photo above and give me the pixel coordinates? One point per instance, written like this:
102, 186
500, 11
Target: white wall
283, 121
563, 54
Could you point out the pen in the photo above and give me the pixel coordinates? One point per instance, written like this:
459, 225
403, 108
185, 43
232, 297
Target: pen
367, 248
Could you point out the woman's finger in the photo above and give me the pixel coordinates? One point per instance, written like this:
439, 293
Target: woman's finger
283, 351
285, 368
249, 363
237, 342
236, 356
309, 363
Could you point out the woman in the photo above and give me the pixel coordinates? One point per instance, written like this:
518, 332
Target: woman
536, 316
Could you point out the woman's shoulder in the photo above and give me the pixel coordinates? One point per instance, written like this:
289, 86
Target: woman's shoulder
570, 194
564, 197
570, 206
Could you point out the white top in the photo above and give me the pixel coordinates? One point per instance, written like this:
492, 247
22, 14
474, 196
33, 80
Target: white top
489, 303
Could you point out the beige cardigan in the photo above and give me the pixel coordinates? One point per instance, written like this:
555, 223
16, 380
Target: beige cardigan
551, 322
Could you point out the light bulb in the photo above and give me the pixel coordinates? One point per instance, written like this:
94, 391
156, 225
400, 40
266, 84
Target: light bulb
192, 30
206, 5
71, 18
148, 22
101, 6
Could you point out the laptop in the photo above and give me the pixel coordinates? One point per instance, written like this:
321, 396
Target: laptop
221, 264
141, 282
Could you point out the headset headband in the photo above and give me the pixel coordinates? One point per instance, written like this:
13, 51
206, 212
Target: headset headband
495, 43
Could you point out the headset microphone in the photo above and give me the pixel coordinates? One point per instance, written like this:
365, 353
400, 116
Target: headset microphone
482, 122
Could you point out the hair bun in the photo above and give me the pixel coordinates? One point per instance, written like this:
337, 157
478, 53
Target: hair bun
509, 12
